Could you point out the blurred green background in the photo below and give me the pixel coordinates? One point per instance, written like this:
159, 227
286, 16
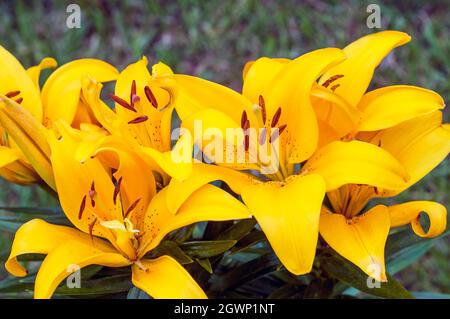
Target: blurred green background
214, 39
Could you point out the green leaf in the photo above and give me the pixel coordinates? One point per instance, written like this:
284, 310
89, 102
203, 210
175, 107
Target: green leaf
249, 240
238, 230
285, 291
429, 295
205, 264
404, 248
101, 286
345, 271
246, 272
171, 248
136, 293
16, 216
206, 249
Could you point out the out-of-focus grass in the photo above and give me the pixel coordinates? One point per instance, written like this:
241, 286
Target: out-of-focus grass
214, 39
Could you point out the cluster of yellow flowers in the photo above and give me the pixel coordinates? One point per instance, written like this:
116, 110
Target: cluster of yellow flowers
121, 182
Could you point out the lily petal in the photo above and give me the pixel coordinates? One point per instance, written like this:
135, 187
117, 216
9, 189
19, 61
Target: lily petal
409, 213
260, 75
356, 162
291, 226
34, 72
29, 135
29, 239
7, 156
165, 278
361, 239
208, 203
363, 56
180, 190
61, 91
334, 111
177, 162
74, 180
70, 256
194, 94
13, 77
419, 144
392, 105
293, 97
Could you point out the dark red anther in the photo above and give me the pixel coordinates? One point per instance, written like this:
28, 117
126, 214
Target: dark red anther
133, 92
276, 117
122, 102
150, 96
82, 207
263, 136
92, 193
12, 94
334, 87
139, 119
281, 129
246, 142
379, 143
132, 207
331, 80
376, 190
91, 226
243, 119
19, 100
246, 126
277, 133
135, 99
117, 190
262, 105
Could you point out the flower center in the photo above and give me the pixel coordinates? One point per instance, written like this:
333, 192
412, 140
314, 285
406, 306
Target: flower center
125, 237
349, 200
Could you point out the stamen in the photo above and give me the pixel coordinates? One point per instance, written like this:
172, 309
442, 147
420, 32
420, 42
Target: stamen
132, 207
331, 80
82, 207
276, 117
12, 94
133, 92
122, 102
92, 193
151, 97
243, 119
117, 190
91, 227
138, 120
334, 87
135, 99
281, 129
247, 142
262, 137
262, 104
19, 100
376, 190
141, 265
277, 133
138, 235
379, 143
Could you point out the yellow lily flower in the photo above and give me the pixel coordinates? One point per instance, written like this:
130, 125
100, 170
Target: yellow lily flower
24, 109
121, 216
339, 100
420, 145
142, 118
19, 86
403, 120
291, 226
